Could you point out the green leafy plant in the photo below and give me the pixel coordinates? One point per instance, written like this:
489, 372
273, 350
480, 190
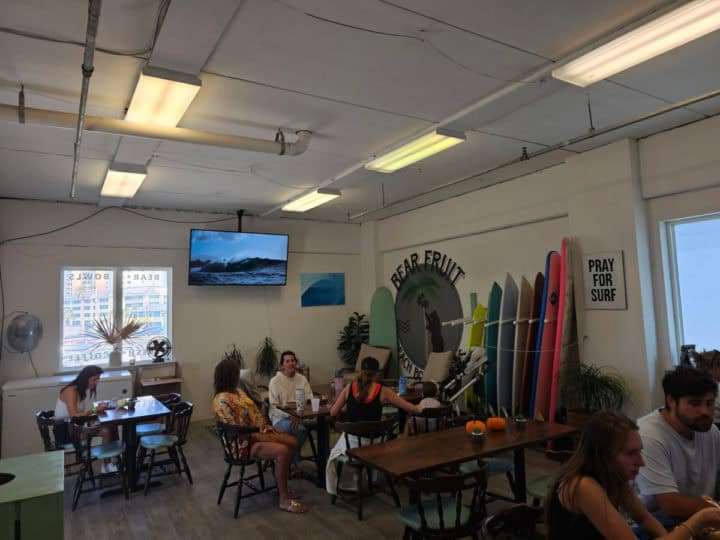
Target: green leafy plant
267, 358
233, 353
352, 336
586, 387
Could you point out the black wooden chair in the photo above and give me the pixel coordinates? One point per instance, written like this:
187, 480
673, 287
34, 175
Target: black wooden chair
519, 521
55, 435
81, 433
431, 419
455, 508
237, 446
156, 428
172, 443
358, 434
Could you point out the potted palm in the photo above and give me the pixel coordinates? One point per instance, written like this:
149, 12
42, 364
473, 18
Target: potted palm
108, 333
267, 360
351, 337
585, 389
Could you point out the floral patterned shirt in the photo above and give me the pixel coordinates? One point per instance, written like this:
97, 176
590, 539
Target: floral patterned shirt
237, 409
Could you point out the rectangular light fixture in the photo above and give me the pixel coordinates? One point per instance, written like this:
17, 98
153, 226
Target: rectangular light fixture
311, 200
422, 147
676, 28
162, 96
123, 180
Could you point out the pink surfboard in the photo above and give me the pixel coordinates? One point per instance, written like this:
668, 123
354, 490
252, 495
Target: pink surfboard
547, 347
562, 300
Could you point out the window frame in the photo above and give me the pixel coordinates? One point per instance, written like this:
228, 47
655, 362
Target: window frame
118, 314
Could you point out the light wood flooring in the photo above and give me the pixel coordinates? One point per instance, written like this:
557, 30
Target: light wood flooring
177, 510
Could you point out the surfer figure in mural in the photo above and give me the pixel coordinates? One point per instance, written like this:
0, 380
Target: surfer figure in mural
432, 325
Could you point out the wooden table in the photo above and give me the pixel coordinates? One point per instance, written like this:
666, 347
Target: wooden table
146, 408
34, 497
323, 438
421, 453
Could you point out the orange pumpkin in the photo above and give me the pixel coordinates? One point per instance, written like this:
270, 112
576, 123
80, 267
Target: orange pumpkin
496, 424
473, 424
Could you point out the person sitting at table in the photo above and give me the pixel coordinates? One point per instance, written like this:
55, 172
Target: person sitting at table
429, 401
71, 403
362, 400
281, 391
594, 486
232, 406
681, 447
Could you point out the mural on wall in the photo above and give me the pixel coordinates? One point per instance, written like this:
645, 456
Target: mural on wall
326, 289
425, 298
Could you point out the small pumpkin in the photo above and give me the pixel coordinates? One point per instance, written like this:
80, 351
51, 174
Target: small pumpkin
496, 424
471, 425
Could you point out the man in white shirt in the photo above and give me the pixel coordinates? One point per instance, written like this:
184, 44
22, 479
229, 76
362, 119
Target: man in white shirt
281, 391
681, 447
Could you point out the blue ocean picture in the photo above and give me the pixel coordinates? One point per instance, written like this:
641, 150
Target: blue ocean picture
231, 258
322, 289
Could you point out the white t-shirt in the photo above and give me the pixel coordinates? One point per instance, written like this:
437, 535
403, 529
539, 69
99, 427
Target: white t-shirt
281, 390
674, 464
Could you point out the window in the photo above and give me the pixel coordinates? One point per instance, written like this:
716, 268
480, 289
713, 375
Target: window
695, 258
118, 294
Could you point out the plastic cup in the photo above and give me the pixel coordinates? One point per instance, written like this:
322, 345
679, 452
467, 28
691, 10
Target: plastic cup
315, 404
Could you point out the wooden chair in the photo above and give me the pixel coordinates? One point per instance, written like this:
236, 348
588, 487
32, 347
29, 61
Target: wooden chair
358, 434
456, 508
431, 419
519, 521
51, 432
81, 434
156, 428
237, 445
170, 443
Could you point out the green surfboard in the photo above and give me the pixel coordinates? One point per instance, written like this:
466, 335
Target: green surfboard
383, 328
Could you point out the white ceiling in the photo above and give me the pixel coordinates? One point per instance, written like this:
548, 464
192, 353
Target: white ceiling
362, 76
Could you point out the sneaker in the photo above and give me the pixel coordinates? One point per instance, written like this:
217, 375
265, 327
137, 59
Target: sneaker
108, 468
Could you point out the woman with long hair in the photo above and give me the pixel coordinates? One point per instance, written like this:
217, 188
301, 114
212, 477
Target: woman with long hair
594, 486
362, 400
233, 406
71, 403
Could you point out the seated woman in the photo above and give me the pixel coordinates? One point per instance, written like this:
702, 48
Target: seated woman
362, 400
233, 406
71, 403
595, 485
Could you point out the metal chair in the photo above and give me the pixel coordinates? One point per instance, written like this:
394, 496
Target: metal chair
170, 443
237, 446
456, 508
81, 434
358, 434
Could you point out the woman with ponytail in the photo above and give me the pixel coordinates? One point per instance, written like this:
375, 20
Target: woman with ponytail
362, 400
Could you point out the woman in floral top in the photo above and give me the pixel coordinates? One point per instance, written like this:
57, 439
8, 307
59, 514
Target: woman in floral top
233, 406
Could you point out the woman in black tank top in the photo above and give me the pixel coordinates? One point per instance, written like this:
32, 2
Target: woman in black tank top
594, 486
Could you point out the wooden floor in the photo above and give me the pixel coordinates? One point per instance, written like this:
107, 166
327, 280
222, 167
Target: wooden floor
177, 510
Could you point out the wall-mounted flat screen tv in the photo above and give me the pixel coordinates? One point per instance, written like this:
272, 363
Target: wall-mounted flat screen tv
235, 258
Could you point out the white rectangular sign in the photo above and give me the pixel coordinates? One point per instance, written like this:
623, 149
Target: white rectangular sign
604, 277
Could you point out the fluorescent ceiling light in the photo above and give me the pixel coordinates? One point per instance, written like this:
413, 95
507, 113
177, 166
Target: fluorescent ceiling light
425, 146
658, 36
162, 96
311, 200
123, 180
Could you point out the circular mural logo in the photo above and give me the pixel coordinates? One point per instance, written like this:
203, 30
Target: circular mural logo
426, 297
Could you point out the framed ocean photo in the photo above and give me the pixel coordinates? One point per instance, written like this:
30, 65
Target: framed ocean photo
324, 289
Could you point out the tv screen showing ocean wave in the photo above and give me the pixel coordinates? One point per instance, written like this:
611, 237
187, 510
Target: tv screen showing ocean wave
232, 258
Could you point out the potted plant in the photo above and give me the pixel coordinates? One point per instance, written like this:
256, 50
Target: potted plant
108, 333
267, 359
585, 389
351, 337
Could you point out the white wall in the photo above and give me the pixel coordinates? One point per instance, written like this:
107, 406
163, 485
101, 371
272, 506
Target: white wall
205, 320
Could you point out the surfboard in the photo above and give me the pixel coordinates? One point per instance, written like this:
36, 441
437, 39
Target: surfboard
546, 342
522, 317
528, 375
491, 344
506, 345
477, 330
383, 328
562, 301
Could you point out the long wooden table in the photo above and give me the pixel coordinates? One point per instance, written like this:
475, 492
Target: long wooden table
422, 453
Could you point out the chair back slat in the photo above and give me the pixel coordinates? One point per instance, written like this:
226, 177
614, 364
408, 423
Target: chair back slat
366, 432
236, 442
432, 419
181, 414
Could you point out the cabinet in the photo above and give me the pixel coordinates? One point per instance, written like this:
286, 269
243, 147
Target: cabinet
158, 378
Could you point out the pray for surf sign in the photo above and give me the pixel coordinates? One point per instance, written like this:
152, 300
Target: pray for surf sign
604, 277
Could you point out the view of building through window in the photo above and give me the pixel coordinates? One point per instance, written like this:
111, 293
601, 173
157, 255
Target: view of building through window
697, 259
89, 295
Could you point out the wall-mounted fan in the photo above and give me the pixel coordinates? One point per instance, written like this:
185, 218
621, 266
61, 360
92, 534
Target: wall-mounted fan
23, 334
159, 348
